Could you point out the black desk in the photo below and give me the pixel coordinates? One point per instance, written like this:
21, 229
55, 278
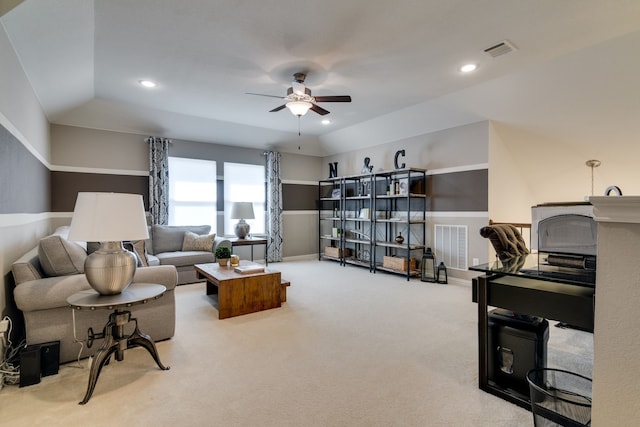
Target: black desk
518, 286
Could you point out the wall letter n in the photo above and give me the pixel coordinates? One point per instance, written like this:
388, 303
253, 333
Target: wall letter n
333, 170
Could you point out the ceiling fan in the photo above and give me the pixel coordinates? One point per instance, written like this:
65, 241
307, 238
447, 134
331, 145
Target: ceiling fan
299, 99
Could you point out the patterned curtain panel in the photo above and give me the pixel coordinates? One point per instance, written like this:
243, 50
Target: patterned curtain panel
159, 180
274, 207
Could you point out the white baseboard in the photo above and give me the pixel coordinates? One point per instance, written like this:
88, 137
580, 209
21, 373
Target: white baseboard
307, 257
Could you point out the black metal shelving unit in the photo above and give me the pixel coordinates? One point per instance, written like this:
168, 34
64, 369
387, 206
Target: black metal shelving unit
370, 212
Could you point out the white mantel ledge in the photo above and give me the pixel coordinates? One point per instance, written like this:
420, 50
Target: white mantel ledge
616, 208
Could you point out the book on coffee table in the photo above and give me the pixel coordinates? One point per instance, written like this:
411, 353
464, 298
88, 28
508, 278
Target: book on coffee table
249, 269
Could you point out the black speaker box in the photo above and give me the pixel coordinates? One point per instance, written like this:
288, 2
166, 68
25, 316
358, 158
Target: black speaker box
30, 365
517, 344
49, 358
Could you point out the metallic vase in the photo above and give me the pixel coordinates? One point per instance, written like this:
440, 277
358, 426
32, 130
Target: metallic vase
110, 269
242, 229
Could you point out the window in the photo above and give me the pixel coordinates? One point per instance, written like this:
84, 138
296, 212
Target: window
244, 183
192, 192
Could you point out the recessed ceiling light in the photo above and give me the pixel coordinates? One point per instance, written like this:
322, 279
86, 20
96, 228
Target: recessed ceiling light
467, 68
147, 83
326, 122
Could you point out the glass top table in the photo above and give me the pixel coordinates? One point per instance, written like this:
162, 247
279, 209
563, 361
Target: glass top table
526, 286
528, 266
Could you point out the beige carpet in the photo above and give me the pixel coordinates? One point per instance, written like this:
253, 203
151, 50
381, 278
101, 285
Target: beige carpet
349, 348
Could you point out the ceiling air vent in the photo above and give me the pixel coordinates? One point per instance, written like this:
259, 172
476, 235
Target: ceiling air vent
499, 49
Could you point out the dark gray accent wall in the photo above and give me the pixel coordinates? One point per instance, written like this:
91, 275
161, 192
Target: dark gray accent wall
66, 185
465, 191
24, 180
299, 197
459, 191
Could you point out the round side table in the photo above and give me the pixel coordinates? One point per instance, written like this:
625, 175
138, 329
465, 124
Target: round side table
115, 340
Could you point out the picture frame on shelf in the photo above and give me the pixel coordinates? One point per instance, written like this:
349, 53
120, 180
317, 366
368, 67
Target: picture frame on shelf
403, 186
335, 193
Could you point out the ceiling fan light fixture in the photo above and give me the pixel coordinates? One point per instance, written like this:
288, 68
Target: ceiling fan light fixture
298, 108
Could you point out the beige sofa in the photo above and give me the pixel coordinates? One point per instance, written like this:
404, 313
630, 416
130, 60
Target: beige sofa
51, 272
182, 247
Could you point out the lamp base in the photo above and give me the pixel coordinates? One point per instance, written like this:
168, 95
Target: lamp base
110, 269
242, 229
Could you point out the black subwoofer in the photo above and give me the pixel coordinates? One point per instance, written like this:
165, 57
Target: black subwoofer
49, 358
30, 365
37, 361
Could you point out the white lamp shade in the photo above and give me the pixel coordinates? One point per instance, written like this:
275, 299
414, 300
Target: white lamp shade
242, 210
298, 108
108, 217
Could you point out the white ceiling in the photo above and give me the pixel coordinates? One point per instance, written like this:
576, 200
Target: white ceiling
574, 76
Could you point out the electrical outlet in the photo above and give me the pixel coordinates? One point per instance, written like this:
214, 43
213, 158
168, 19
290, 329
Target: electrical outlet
476, 261
4, 325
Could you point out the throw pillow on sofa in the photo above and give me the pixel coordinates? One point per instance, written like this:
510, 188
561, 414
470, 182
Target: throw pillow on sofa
139, 250
61, 257
195, 242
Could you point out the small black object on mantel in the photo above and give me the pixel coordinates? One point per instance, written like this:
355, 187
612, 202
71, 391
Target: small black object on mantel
442, 273
428, 267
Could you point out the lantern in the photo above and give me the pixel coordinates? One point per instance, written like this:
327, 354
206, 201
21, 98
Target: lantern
442, 273
428, 267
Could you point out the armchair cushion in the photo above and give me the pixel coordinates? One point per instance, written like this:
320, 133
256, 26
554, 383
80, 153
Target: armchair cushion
27, 267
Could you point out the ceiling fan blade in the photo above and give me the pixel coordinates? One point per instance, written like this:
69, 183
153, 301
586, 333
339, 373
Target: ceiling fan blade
338, 98
261, 94
278, 108
319, 110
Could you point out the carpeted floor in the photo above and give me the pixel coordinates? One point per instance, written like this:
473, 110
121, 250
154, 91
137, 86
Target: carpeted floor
349, 348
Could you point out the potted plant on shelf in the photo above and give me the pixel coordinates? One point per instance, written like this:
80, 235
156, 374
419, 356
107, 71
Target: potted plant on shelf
223, 254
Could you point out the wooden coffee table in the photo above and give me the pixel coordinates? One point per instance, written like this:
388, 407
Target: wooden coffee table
242, 293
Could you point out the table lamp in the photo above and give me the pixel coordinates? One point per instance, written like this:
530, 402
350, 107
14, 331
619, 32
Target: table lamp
109, 218
242, 211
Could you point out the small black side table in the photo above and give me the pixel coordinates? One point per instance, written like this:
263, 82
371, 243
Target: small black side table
115, 341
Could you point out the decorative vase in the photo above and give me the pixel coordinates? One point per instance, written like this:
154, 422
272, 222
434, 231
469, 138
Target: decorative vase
235, 260
399, 239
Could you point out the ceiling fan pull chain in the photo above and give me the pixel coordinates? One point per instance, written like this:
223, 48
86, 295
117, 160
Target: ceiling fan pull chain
298, 125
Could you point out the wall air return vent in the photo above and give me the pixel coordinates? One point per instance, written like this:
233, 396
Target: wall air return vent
450, 242
499, 49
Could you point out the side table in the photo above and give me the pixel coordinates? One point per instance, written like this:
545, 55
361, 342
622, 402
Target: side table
252, 241
115, 340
